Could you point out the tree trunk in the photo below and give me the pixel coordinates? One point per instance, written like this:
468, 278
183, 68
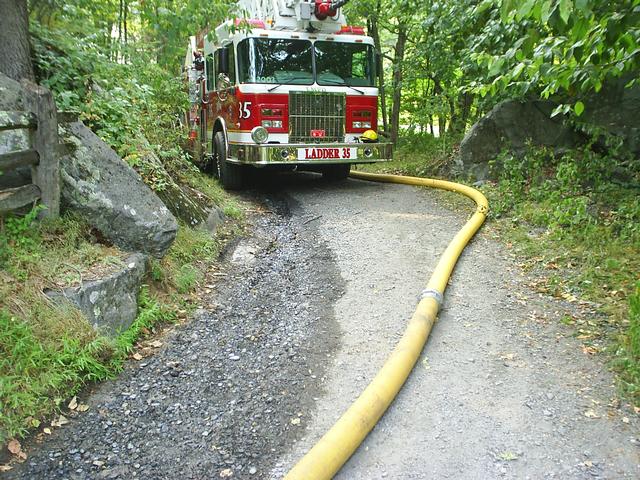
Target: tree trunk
397, 82
375, 34
126, 10
15, 52
467, 103
453, 115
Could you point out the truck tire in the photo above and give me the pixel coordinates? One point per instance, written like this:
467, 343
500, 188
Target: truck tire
231, 175
336, 172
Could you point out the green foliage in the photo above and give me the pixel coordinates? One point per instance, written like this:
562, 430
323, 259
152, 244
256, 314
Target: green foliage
151, 311
562, 47
116, 100
36, 377
155, 29
419, 155
628, 354
576, 218
16, 233
186, 278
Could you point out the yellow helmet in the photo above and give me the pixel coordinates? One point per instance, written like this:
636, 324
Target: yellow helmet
369, 136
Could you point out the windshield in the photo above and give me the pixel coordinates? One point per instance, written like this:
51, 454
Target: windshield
340, 63
270, 60
289, 61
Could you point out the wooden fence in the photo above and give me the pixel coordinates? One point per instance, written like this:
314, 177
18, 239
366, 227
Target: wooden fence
42, 157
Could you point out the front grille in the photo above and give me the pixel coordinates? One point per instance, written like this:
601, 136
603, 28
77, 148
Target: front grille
320, 111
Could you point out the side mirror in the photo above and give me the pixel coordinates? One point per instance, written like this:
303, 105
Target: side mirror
378, 64
223, 86
223, 60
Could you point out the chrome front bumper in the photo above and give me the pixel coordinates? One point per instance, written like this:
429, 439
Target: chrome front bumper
287, 154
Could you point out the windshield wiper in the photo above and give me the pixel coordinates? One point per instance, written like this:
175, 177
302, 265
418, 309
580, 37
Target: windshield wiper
342, 84
288, 83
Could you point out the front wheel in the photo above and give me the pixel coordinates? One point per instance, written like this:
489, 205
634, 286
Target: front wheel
231, 175
336, 172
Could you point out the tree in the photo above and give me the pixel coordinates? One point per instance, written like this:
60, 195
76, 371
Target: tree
15, 52
564, 48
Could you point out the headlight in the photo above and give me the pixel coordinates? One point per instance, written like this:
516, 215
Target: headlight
272, 123
259, 134
359, 124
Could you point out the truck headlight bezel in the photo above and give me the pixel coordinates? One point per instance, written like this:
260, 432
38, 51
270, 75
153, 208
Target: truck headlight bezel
259, 134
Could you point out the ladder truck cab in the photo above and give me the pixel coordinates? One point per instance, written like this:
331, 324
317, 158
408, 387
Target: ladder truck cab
289, 86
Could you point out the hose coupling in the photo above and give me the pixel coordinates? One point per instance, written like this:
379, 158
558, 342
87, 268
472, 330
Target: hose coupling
431, 293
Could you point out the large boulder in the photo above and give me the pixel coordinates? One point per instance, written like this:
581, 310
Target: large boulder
614, 110
111, 196
109, 303
512, 125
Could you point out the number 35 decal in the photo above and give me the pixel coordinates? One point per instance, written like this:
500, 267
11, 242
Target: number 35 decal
244, 110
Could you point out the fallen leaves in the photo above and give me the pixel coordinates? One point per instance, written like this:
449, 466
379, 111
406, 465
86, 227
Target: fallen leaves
425, 363
75, 406
226, 473
16, 449
589, 350
507, 456
60, 421
137, 356
295, 421
34, 422
591, 414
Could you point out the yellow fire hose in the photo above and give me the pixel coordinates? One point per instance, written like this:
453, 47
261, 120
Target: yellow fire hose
332, 451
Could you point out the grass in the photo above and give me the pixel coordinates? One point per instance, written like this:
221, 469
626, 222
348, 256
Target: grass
48, 352
419, 156
574, 221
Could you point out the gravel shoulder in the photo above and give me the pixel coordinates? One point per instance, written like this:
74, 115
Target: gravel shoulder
502, 389
226, 393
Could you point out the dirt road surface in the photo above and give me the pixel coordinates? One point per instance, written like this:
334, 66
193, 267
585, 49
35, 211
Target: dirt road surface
501, 391
307, 310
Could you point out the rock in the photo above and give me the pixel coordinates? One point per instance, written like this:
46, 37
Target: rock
13, 140
511, 125
111, 196
615, 110
110, 304
185, 203
214, 220
10, 94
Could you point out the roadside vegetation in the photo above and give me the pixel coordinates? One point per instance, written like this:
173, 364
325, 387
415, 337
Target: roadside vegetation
574, 220
48, 352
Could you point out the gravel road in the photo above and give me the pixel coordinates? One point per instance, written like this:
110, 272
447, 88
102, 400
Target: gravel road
502, 390
308, 307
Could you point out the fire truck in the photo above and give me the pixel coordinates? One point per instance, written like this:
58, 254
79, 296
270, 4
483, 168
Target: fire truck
287, 85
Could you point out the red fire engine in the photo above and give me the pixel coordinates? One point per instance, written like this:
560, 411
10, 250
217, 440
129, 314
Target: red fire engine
289, 85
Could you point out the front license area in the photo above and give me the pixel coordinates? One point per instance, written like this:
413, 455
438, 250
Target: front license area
327, 153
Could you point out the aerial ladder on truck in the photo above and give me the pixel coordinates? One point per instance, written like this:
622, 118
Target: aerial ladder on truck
288, 86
